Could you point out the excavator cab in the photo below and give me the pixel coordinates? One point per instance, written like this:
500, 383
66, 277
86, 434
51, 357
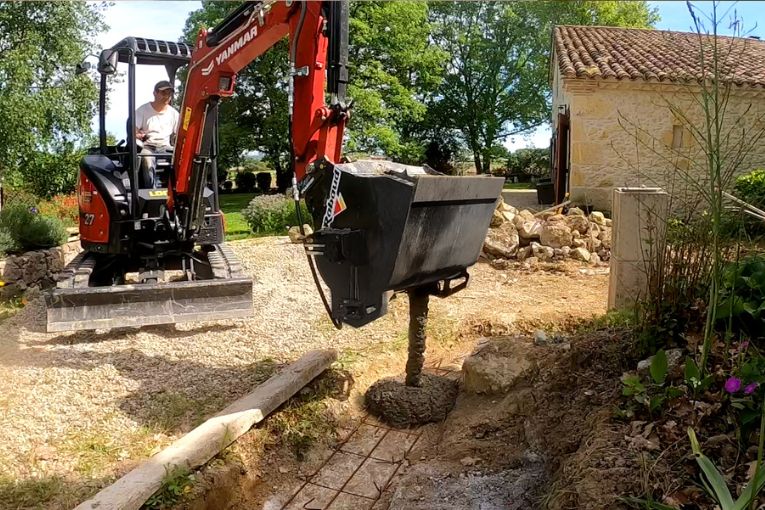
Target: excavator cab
133, 270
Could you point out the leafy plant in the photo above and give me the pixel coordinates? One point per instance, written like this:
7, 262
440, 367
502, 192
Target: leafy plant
714, 482
272, 214
654, 393
63, 207
742, 303
751, 187
177, 482
693, 377
26, 229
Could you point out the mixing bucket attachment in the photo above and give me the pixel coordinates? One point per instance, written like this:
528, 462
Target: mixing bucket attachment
387, 227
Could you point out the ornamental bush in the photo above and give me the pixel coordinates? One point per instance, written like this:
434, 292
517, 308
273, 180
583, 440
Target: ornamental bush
751, 188
23, 228
273, 214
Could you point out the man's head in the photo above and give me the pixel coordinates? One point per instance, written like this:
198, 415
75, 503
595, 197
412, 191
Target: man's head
163, 92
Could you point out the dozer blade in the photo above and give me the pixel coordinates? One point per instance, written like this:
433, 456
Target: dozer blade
148, 304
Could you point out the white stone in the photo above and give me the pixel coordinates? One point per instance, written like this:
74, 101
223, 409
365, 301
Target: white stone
523, 253
598, 218
530, 229
502, 241
575, 211
580, 254
555, 235
578, 223
295, 235
497, 367
543, 253
508, 215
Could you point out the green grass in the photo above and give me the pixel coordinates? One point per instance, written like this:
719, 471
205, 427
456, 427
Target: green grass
232, 204
519, 185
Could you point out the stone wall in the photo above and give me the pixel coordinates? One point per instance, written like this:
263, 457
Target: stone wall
34, 268
625, 133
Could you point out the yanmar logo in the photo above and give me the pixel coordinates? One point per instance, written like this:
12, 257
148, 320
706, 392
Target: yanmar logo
236, 45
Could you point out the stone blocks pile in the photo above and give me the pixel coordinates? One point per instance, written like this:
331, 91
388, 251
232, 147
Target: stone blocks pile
34, 268
547, 237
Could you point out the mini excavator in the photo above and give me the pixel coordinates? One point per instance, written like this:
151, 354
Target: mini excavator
156, 255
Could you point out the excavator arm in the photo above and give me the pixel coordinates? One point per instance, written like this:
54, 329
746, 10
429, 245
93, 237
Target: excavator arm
318, 41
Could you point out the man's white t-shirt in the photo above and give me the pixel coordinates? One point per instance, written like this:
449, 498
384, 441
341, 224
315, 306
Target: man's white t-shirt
158, 126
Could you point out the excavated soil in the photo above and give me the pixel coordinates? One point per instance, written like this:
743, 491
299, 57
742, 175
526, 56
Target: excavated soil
403, 406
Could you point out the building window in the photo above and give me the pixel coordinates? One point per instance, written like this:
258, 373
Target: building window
677, 136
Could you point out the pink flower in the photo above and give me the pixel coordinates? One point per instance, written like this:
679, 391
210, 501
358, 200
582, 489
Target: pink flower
749, 388
733, 384
744, 346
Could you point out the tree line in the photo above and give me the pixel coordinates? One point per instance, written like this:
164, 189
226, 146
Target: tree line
429, 80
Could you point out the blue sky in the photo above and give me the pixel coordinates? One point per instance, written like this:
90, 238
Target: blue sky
165, 20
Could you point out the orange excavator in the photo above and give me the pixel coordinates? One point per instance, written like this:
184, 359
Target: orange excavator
156, 254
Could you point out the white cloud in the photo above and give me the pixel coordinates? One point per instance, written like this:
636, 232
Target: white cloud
155, 20
539, 138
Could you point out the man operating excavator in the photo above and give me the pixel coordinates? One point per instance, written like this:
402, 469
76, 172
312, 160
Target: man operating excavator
156, 124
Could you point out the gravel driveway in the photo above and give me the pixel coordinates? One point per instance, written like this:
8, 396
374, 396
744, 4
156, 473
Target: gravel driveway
79, 409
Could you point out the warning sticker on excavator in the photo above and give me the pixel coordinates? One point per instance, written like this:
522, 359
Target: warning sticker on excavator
186, 118
158, 193
339, 205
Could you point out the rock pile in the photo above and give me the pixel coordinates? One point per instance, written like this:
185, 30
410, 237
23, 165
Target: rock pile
547, 236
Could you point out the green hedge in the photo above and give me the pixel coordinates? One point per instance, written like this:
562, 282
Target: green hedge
751, 188
22, 228
273, 214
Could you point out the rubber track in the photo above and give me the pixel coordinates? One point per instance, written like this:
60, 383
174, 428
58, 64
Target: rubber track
223, 262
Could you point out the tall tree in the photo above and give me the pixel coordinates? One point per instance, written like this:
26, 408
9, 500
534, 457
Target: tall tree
44, 106
392, 71
496, 80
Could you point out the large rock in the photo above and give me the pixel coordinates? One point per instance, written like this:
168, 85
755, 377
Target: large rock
530, 229
542, 253
502, 242
523, 216
508, 215
578, 222
497, 219
575, 211
605, 237
555, 235
580, 254
295, 235
497, 365
523, 253
598, 218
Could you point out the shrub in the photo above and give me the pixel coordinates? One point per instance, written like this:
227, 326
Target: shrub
63, 207
28, 229
245, 182
742, 297
272, 214
751, 188
264, 181
7, 243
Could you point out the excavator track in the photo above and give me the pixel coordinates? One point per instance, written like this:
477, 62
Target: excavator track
75, 304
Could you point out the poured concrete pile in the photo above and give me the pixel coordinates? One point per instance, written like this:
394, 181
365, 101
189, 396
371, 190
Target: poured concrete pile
547, 237
403, 406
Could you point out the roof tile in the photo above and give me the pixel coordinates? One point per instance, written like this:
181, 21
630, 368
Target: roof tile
642, 54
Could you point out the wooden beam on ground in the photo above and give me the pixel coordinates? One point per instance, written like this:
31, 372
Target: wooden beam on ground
210, 438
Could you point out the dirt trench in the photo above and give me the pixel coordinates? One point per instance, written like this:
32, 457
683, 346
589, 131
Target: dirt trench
492, 452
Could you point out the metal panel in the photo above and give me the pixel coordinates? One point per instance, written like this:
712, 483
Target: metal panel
140, 305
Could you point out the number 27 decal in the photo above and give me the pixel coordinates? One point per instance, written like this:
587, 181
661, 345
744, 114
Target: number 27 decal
89, 218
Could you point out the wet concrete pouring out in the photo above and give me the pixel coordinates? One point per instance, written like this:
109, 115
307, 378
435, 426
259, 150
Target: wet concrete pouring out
421, 398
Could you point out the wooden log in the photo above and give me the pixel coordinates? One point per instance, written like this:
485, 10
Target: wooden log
207, 440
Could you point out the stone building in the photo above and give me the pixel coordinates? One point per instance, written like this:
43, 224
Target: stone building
627, 108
